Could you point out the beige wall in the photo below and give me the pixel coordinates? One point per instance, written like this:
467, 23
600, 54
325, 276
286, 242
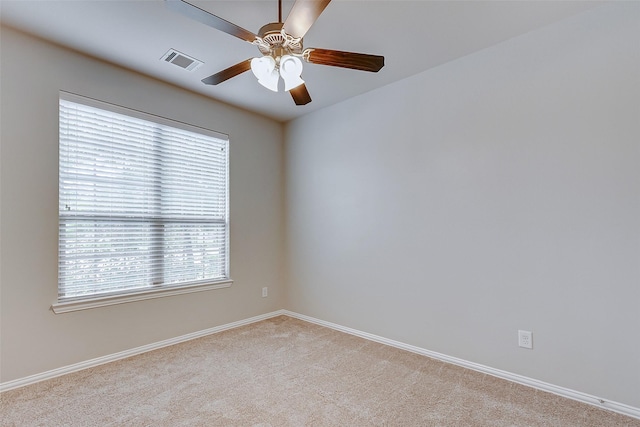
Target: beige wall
33, 339
494, 193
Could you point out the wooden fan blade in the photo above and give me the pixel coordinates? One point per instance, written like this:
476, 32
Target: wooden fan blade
201, 15
336, 58
302, 16
225, 75
300, 95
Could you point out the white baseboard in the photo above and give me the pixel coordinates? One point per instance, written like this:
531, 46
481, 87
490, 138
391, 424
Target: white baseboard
540, 385
620, 408
20, 382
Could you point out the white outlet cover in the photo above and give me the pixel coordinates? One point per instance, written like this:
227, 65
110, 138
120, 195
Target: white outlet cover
525, 339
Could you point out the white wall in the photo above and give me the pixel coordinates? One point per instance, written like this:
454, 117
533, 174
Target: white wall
494, 193
33, 339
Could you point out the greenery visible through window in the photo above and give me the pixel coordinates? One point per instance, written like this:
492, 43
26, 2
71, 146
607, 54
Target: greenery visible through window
143, 202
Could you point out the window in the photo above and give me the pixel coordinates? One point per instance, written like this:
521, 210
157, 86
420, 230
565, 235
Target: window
143, 203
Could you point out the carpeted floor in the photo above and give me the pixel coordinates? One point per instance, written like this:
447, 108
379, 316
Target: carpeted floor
286, 372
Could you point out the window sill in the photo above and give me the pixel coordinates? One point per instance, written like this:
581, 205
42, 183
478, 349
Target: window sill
88, 303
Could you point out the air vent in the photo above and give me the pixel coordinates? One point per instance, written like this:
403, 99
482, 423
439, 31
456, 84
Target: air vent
181, 60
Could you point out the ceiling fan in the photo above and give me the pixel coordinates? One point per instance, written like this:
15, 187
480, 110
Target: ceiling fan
281, 46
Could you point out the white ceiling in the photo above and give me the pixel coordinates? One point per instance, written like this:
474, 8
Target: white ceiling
413, 36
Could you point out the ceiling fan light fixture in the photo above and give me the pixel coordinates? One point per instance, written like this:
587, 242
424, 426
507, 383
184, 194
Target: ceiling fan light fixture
265, 71
290, 70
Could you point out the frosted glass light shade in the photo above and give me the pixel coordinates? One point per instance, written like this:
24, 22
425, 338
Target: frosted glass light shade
290, 70
265, 71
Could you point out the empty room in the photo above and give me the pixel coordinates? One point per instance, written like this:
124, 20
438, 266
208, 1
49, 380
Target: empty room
319, 213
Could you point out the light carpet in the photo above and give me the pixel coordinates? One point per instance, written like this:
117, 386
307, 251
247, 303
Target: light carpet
287, 372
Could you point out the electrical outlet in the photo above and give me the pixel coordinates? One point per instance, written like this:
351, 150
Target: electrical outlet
525, 339
265, 292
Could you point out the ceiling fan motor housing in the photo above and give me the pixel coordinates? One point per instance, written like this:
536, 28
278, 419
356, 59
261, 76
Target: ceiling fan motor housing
273, 41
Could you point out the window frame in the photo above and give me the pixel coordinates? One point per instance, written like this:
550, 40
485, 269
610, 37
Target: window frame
157, 291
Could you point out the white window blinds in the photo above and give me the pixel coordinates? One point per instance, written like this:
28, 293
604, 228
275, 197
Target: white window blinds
142, 202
